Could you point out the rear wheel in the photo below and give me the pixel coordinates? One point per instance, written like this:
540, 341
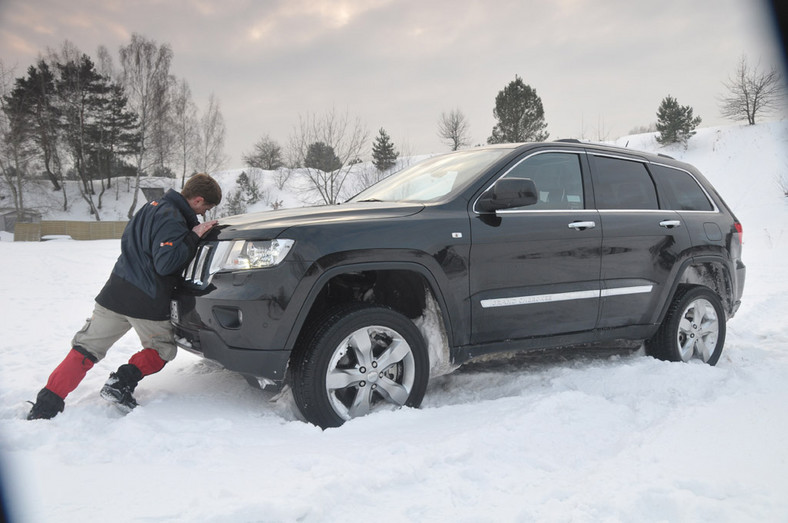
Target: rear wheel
694, 328
359, 359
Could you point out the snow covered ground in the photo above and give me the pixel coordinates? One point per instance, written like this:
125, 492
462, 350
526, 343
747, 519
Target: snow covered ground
573, 436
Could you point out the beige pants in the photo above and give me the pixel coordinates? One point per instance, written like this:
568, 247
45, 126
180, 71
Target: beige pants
105, 327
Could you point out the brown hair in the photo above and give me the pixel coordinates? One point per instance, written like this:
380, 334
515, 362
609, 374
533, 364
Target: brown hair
203, 185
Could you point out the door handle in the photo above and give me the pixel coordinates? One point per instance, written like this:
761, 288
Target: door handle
669, 224
581, 226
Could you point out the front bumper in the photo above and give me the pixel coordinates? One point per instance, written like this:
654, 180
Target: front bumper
268, 365
240, 319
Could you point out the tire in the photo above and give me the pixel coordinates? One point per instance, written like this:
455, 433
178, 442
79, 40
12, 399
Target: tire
693, 328
358, 359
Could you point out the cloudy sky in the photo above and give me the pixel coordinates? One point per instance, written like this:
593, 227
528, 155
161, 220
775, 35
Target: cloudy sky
600, 67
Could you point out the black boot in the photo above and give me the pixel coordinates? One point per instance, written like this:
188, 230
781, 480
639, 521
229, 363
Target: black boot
121, 384
47, 405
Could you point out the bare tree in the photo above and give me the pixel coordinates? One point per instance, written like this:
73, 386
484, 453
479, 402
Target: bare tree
346, 136
453, 129
212, 130
267, 155
105, 65
751, 92
146, 78
185, 126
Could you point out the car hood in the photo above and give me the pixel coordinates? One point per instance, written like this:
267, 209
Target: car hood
271, 224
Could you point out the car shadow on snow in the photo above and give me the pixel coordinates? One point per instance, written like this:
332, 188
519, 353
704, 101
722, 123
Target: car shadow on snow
512, 374
543, 358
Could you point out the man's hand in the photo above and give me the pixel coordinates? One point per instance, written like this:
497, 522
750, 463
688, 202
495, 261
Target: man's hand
202, 228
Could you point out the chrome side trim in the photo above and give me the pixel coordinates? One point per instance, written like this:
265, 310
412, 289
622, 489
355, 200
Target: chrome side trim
620, 291
564, 296
539, 298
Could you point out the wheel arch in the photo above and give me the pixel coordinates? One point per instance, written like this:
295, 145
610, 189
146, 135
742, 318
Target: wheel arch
402, 286
708, 271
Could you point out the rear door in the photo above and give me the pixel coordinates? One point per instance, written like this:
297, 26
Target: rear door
642, 245
535, 270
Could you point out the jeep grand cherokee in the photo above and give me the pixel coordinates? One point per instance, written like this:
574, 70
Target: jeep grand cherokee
512, 247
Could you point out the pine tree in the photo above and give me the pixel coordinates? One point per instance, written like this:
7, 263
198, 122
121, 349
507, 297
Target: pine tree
83, 96
384, 156
250, 191
117, 127
322, 156
675, 122
520, 115
37, 90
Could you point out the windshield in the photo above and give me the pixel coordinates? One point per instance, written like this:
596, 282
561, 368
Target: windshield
437, 178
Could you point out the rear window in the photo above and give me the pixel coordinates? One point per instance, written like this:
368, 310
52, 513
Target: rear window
679, 191
623, 184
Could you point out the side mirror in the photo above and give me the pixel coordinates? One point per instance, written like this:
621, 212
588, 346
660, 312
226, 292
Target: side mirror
508, 193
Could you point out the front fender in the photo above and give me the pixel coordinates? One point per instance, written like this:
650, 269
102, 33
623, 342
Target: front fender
318, 276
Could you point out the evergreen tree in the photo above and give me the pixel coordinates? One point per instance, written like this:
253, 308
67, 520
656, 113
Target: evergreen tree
16, 147
675, 122
235, 203
116, 128
384, 156
83, 95
520, 115
37, 93
249, 189
322, 156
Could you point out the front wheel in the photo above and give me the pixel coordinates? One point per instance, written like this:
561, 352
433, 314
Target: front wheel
694, 328
358, 359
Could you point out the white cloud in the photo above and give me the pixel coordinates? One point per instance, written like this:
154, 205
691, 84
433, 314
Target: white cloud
398, 64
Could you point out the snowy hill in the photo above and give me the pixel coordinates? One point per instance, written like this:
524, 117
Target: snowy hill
577, 436
284, 188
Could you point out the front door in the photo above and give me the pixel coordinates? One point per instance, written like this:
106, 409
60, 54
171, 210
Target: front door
534, 270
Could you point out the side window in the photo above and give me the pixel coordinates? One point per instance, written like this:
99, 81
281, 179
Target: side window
679, 191
623, 184
558, 179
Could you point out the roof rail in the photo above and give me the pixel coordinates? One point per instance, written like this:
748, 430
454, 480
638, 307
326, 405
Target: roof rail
568, 140
665, 156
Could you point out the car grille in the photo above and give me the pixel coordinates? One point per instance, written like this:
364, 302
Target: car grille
205, 264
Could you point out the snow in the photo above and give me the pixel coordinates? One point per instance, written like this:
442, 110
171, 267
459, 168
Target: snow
567, 436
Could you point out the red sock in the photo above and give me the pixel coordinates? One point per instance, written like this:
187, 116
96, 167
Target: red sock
69, 373
148, 361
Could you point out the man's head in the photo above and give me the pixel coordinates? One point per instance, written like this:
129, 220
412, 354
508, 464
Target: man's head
202, 192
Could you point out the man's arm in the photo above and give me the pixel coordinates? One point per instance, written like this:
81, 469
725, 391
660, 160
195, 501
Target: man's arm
174, 244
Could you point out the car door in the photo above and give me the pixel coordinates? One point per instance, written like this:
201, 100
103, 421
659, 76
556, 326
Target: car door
642, 245
534, 270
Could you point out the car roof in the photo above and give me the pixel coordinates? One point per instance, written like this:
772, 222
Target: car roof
573, 144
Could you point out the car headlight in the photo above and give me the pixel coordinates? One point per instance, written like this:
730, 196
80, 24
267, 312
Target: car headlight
245, 254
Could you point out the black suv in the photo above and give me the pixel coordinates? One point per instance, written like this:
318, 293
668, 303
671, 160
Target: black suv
493, 249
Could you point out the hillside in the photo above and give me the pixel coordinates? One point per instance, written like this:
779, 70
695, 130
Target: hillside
719, 152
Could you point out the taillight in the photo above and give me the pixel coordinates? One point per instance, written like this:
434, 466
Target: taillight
740, 230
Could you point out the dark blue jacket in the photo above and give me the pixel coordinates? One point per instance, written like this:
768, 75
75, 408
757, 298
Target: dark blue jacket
156, 246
